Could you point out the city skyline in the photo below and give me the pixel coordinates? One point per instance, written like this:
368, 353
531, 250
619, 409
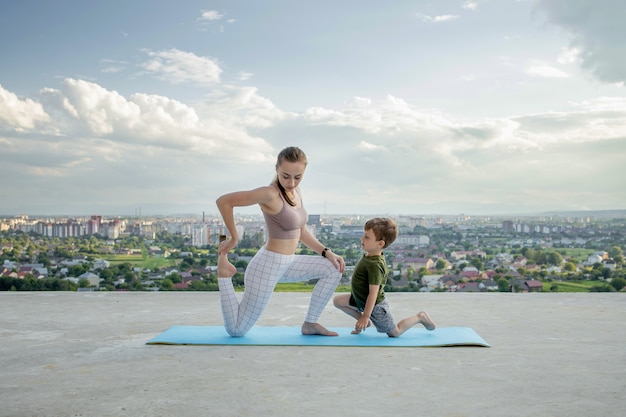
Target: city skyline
445, 107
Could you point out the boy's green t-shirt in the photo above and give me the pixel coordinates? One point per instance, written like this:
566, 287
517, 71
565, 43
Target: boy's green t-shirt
369, 270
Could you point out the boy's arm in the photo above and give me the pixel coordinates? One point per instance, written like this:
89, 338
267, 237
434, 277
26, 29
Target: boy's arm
361, 323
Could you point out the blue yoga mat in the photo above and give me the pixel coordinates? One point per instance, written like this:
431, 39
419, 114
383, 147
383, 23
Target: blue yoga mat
291, 336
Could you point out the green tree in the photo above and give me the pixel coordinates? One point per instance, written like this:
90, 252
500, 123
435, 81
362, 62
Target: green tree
615, 251
618, 283
477, 263
167, 285
569, 267
554, 258
175, 278
503, 285
440, 265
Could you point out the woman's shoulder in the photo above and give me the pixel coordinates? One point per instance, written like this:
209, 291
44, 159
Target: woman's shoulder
267, 192
261, 195
268, 197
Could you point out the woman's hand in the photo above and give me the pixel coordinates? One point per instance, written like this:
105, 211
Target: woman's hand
226, 246
336, 260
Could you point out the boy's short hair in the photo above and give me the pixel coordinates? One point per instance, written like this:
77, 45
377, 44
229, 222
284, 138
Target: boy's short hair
384, 228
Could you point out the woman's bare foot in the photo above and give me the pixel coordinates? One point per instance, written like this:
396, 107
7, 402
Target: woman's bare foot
224, 268
316, 329
425, 319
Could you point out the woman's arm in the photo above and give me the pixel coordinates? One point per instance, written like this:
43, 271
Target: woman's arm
226, 204
312, 243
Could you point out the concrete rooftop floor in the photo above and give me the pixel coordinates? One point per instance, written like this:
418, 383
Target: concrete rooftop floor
84, 354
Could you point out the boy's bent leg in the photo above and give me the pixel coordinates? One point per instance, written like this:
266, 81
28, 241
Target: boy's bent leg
342, 302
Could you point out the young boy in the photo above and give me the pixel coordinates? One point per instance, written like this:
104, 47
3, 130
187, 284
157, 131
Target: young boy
367, 302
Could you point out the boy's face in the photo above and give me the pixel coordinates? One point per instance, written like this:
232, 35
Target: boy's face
369, 243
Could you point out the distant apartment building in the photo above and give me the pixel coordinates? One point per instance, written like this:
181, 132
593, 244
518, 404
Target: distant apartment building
412, 221
200, 236
539, 228
412, 240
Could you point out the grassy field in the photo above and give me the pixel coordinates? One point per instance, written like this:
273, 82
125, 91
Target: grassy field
582, 286
578, 253
141, 261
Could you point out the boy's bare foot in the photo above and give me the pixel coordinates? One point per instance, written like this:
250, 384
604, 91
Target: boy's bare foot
425, 319
224, 268
309, 329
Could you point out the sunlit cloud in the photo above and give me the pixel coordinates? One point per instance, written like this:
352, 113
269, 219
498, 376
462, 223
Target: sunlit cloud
20, 114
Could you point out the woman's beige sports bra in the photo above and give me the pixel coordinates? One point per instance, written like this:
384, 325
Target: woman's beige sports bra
286, 224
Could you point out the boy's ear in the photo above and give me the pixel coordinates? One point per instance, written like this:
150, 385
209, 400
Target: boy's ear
381, 242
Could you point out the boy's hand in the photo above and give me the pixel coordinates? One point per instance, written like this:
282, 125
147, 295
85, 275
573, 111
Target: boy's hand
362, 324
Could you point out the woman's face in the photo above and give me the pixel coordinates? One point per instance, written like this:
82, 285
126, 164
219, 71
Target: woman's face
290, 174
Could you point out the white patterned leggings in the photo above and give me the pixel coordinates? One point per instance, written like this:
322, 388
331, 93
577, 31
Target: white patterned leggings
264, 271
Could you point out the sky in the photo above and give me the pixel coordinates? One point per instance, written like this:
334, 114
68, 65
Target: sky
478, 107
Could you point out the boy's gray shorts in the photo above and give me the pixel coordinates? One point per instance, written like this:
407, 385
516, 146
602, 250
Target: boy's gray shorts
382, 317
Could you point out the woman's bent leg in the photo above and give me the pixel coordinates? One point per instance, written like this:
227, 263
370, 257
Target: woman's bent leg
261, 277
309, 267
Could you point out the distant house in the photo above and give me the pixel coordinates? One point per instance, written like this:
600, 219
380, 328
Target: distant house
610, 263
158, 252
182, 285
464, 254
521, 285
468, 287
533, 267
101, 264
470, 273
449, 280
94, 280
432, 281
403, 264
488, 285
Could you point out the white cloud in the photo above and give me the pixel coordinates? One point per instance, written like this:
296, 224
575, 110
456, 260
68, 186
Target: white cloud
112, 66
20, 114
370, 147
142, 120
244, 76
546, 71
210, 15
437, 19
470, 5
569, 56
178, 66
393, 124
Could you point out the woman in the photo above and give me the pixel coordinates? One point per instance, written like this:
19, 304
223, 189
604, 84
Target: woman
285, 217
